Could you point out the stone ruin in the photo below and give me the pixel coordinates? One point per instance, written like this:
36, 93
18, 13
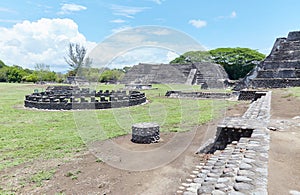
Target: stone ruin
76, 80
72, 97
200, 95
206, 74
249, 95
238, 155
280, 69
145, 133
138, 86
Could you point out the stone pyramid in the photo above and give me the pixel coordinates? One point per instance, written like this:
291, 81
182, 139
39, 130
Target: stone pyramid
210, 74
280, 69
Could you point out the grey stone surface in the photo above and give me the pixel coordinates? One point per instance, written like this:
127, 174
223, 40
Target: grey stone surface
280, 69
145, 133
204, 73
74, 98
241, 167
243, 187
218, 192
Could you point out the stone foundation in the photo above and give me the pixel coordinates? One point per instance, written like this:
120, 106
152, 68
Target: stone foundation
71, 98
145, 133
205, 95
239, 164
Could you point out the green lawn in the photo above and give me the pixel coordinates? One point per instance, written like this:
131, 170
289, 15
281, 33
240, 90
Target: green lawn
28, 134
295, 91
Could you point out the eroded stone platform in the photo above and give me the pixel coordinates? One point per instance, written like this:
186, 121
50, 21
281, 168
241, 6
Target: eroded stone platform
242, 167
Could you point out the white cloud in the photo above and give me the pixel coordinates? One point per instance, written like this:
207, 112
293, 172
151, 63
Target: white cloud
171, 56
198, 23
127, 11
158, 1
233, 14
3, 9
152, 55
68, 8
9, 21
165, 39
161, 32
116, 30
42, 41
118, 21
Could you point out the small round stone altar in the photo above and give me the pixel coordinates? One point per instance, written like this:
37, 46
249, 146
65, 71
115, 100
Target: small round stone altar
145, 133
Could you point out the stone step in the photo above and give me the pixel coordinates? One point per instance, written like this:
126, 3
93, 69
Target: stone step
191, 77
279, 73
275, 82
281, 64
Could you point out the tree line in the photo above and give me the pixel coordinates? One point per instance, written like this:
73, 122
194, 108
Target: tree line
42, 73
80, 65
237, 62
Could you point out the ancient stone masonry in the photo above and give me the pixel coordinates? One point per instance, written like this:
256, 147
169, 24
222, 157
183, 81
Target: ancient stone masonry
239, 160
207, 74
280, 69
137, 86
250, 95
205, 95
72, 97
145, 133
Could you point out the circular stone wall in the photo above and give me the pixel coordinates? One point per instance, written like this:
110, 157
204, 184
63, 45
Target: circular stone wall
74, 98
145, 133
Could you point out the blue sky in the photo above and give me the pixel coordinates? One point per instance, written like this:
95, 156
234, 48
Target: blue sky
38, 31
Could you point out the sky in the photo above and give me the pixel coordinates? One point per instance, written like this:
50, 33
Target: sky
33, 32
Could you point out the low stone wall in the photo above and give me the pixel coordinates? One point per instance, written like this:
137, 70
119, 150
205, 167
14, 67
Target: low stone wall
276, 83
242, 166
205, 95
137, 86
65, 98
251, 95
285, 73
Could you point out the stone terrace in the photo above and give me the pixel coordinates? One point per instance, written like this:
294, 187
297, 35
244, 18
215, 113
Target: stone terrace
239, 159
70, 98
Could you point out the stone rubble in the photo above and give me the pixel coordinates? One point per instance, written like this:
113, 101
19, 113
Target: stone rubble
242, 167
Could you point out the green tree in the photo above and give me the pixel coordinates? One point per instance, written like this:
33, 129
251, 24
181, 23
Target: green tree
2, 64
15, 74
192, 56
126, 69
43, 72
237, 62
31, 78
3, 74
76, 58
111, 75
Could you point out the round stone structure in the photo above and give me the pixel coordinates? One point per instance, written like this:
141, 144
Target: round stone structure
74, 98
145, 133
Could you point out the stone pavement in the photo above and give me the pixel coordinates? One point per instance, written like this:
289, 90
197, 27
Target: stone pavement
242, 167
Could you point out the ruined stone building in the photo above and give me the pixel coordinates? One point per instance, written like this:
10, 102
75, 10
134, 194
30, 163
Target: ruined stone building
280, 69
206, 74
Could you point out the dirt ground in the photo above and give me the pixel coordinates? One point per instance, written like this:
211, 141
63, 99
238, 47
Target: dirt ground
284, 155
84, 174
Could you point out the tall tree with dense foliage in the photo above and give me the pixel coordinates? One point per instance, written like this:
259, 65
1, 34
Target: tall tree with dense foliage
193, 56
111, 75
237, 62
15, 74
76, 58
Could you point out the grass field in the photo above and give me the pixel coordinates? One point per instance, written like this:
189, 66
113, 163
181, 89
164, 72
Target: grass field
295, 91
28, 134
